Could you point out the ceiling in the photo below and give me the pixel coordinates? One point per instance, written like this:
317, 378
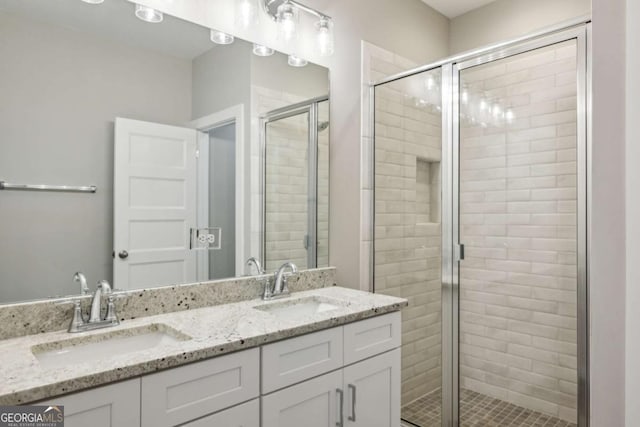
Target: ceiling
453, 8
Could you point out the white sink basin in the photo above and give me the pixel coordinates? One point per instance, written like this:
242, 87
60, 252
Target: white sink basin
91, 348
294, 309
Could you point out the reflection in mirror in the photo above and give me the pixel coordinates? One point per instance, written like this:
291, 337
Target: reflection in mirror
175, 133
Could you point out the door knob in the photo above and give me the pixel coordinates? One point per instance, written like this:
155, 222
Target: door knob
123, 254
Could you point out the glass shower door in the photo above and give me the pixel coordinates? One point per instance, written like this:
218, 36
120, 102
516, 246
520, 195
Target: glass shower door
408, 231
287, 190
295, 161
519, 174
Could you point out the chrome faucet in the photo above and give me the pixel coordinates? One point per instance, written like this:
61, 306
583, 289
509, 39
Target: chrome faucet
104, 288
254, 261
280, 289
78, 323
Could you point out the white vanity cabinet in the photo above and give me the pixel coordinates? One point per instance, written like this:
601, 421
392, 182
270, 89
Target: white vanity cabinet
112, 405
364, 393
346, 376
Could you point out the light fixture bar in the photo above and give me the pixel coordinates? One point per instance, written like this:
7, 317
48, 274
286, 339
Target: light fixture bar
271, 7
309, 10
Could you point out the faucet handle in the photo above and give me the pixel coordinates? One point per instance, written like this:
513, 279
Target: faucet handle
111, 311
268, 288
285, 288
77, 321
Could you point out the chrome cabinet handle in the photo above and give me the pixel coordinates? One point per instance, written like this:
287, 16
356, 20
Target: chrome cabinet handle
340, 422
123, 254
352, 417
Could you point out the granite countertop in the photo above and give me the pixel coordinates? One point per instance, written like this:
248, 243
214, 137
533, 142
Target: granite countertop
212, 331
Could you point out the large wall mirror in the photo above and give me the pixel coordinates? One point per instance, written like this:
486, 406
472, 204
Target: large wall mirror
182, 158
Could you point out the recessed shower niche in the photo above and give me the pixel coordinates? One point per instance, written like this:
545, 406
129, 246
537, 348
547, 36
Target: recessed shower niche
428, 196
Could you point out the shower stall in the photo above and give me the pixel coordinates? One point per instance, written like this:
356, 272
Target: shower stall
480, 220
295, 185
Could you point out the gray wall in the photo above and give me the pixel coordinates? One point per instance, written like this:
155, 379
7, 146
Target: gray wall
220, 79
61, 91
273, 72
608, 217
633, 212
506, 19
222, 199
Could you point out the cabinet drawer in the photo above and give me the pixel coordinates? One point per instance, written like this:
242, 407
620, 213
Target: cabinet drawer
111, 405
184, 394
370, 337
297, 359
245, 415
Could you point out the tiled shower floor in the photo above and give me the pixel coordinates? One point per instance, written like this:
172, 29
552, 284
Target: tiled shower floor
477, 410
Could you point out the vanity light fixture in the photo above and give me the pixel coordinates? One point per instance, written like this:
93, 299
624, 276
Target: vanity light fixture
246, 13
285, 13
148, 14
287, 19
296, 61
260, 50
93, 1
219, 37
324, 28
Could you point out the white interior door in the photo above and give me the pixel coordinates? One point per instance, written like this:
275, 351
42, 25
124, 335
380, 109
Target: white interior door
154, 204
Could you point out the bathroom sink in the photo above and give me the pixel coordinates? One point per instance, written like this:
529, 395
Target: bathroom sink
90, 348
301, 307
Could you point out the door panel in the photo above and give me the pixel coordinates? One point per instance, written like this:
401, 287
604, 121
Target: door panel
287, 192
408, 236
518, 204
312, 403
372, 387
154, 204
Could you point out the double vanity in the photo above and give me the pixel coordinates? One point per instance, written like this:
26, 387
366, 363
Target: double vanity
319, 357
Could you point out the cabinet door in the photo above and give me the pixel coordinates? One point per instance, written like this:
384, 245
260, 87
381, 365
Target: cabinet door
245, 415
112, 405
313, 403
372, 392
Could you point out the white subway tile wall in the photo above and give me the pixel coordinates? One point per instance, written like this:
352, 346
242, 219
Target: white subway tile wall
407, 218
287, 190
518, 202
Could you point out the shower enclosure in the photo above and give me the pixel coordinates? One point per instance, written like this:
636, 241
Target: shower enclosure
480, 221
295, 161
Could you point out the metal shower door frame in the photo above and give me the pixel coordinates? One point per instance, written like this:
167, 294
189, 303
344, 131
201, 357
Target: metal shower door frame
579, 30
309, 107
579, 34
